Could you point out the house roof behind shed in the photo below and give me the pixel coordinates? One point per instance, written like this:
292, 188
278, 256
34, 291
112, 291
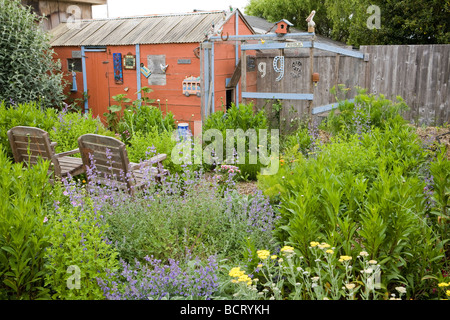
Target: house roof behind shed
156, 29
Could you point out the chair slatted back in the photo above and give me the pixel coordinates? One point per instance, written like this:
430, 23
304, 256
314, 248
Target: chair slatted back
110, 158
29, 143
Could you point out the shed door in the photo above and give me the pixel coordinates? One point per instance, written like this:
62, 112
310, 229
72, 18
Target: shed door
97, 82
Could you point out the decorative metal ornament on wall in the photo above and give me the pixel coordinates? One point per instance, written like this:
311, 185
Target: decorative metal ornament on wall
278, 66
296, 69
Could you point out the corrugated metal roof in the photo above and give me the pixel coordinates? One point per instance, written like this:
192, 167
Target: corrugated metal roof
174, 28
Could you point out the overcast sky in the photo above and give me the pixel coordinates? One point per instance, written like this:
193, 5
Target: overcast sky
123, 8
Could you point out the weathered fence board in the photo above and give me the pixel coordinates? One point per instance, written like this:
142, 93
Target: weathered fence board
420, 74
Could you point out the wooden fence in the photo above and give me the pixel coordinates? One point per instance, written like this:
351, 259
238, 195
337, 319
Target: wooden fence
418, 73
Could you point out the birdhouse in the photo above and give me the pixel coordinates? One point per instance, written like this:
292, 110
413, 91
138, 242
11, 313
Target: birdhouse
283, 26
315, 78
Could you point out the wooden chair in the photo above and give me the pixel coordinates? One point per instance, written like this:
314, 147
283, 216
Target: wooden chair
30, 143
112, 166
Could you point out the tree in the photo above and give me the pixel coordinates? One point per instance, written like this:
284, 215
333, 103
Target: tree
27, 69
401, 21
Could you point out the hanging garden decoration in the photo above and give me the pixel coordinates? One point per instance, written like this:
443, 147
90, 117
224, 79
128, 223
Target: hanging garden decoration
118, 75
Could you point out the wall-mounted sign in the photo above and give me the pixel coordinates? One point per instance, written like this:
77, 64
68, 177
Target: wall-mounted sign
76, 54
184, 61
129, 62
118, 75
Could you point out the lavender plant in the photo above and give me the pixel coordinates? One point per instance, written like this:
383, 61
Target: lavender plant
155, 280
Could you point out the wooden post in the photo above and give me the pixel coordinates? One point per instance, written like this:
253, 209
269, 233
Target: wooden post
336, 73
311, 85
282, 90
243, 73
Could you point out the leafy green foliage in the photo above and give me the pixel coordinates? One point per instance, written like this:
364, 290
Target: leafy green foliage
127, 119
239, 117
79, 254
24, 232
364, 190
27, 69
26, 114
71, 125
367, 110
144, 145
401, 22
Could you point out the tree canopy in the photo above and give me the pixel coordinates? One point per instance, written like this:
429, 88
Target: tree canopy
352, 21
27, 69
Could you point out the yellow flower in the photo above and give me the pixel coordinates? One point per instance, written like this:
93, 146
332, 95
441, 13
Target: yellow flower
273, 257
329, 251
443, 284
263, 254
324, 245
236, 272
287, 249
345, 258
448, 293
259, 265
314, 243
245, 278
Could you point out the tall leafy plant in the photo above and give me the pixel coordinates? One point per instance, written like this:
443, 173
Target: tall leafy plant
243, 117
27, 69
24, 231
24, 114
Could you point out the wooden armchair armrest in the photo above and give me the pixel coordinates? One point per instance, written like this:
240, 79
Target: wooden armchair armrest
67, 153
156, 159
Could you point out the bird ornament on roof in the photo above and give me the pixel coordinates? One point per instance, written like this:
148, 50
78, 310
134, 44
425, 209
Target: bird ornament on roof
311, 23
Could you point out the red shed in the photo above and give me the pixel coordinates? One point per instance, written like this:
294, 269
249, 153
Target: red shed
106, 57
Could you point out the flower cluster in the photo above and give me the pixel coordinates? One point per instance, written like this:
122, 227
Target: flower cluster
240, 275
345, 258
263, 254
155, 280
445, 285
287, 249
229, 169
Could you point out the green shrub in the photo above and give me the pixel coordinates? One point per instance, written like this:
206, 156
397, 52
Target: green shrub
128, 117
239, 117
168, 220
24, 229
144, 145
143, 119
362, 192
71, 125
79, 253
27, 69
26, 114
365, 112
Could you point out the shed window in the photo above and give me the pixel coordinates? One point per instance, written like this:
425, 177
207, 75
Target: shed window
74, 64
